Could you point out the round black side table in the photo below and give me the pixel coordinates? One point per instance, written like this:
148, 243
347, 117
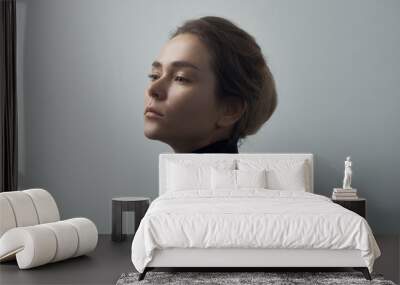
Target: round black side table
139, 205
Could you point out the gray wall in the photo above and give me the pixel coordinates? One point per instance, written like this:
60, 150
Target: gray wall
82, 75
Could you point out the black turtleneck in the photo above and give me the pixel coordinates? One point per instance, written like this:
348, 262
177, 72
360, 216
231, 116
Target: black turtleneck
221, 146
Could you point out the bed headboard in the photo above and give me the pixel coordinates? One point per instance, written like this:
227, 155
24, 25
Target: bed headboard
163, 157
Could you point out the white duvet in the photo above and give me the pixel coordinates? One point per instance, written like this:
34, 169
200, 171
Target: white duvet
250, 218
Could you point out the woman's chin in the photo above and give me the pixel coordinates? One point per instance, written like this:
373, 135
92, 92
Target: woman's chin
152, 134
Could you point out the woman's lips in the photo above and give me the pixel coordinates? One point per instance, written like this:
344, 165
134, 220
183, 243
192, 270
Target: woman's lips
150, 109
150, 114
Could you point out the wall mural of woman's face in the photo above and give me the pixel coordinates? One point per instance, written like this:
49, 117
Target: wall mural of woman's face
182, 90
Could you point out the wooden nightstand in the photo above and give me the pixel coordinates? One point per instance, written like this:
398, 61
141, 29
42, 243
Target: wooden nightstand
358, 206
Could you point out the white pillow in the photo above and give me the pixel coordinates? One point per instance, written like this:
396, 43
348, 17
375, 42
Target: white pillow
237, 179
223, 179
188, 175
251, 178
282, 174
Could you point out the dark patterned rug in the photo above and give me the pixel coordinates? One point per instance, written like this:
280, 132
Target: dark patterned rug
229, 278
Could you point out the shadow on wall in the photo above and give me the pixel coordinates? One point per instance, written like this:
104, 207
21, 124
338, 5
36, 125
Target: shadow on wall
325, 176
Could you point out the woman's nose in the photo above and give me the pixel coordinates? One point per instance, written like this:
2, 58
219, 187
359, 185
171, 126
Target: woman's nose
157, 90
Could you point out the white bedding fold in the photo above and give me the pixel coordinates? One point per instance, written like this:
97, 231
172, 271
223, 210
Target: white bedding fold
250, 218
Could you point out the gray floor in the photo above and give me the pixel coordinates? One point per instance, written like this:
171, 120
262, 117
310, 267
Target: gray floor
110, 259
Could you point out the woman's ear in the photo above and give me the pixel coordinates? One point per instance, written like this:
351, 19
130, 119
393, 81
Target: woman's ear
231, 111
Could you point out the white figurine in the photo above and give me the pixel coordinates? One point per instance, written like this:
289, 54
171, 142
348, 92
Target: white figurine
347, 174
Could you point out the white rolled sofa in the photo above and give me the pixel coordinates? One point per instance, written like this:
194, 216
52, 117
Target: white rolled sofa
31, 231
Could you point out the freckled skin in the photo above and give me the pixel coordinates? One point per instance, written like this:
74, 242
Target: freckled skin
190, 109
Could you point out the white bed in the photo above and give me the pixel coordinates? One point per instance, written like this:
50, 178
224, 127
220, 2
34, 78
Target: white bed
248, 227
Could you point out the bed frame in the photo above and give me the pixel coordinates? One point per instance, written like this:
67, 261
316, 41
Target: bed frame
244, 259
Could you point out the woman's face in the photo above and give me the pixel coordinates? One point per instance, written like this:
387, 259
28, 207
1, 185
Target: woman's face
182, 89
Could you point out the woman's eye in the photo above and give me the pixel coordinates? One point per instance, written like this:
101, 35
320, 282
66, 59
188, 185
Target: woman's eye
181, 79
153, 76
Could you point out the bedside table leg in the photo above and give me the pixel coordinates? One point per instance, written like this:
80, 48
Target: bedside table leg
116, 222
